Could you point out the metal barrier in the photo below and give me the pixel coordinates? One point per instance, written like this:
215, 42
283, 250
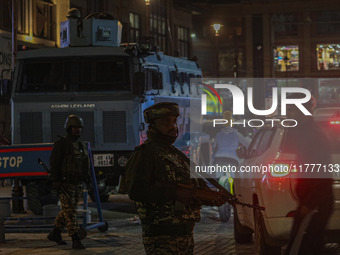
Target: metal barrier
25, 161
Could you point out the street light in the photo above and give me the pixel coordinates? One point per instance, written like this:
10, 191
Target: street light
147, 2
217, 28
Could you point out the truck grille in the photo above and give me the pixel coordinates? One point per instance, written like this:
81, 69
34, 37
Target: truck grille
58, 121
114, 127
31, 127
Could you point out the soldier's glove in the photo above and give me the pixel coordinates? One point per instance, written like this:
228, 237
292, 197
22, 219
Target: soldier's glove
190, 195
210, 197
185, 195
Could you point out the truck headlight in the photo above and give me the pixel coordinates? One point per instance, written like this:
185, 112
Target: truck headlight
122, 160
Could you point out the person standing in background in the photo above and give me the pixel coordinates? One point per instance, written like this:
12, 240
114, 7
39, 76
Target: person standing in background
69, 163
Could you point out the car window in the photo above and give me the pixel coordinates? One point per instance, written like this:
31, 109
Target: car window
326, 112
265, 141
261, 142
253, 147
289, 141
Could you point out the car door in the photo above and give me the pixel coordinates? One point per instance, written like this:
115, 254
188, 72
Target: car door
243, 181
250, 172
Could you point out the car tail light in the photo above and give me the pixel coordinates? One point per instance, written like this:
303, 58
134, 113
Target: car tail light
185, 150
291, 214
281, 178
282, 169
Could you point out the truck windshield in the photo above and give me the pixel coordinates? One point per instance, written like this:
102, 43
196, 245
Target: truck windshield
75, 74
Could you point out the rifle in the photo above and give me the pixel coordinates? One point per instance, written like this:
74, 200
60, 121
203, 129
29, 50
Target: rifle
62, 188
231, 199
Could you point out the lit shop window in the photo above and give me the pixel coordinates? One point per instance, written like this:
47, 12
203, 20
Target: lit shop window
328, 56
286, 58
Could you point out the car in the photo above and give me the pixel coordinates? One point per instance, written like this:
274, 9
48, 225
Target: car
270, 146
326, 114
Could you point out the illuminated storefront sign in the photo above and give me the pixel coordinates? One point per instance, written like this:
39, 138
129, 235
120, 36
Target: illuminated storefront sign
328, 56
286, 58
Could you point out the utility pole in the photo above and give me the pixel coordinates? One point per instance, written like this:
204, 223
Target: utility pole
14, 31
217, 28
147, 15
17, 192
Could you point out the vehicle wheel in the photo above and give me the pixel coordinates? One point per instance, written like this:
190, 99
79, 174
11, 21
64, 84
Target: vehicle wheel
103, 198
105, 227
241, 234
224, 212
48, 195
33, 201
40, 194
261, 246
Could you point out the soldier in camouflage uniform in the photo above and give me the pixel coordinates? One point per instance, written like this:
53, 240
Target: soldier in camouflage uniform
69, 169
158, 179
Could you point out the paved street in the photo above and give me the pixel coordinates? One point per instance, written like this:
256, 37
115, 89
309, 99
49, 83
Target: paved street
124, 235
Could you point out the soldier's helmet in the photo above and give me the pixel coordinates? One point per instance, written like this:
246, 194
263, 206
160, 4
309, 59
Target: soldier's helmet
160, 110
73, 13
74, 121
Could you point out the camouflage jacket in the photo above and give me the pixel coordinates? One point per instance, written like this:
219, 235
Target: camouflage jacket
153, 172
69, 161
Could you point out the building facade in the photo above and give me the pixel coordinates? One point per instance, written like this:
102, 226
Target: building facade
279, 39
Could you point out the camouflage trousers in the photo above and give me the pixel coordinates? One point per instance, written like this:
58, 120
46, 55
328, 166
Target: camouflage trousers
169, 245
68, 196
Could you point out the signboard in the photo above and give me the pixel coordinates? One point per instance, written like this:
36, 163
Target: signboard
102, 160
22, 160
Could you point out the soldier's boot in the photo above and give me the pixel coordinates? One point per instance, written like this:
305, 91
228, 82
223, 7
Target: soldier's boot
55, 236
76, 243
